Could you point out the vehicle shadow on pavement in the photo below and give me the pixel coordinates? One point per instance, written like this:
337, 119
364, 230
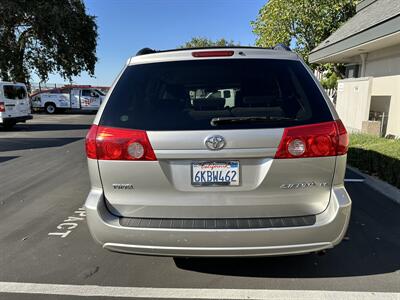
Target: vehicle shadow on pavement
66, 112
12, 144
7, 158
371, 246
45, 127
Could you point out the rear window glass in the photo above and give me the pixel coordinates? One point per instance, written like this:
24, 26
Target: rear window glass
191, 95
14, 92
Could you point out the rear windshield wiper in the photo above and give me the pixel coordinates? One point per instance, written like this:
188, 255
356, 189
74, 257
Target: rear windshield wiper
250, 119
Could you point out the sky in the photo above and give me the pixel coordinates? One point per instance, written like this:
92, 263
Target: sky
126, 26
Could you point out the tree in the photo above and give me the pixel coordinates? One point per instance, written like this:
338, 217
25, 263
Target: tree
304, 23
46, 36
201, 42
331, 73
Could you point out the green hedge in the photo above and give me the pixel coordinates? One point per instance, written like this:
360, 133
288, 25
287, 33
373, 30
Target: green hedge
376, 156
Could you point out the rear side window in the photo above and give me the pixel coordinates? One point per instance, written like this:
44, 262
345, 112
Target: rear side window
191, 95
86, 93
14, 92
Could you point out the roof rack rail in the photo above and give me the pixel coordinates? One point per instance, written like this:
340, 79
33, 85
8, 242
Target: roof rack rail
281, 46
146, 50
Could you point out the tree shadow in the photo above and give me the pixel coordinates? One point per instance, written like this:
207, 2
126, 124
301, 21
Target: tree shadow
67, 112
12, 144
45, 127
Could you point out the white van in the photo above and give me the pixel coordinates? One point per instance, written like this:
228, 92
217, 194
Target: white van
75, 99
14, 104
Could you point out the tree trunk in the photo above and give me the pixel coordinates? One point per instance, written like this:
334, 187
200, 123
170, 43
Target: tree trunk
19, 73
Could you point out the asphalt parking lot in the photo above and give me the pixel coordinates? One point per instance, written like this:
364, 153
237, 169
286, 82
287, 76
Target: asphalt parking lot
44, 181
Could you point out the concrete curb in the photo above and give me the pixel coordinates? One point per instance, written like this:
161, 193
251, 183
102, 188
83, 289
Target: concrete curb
381, 186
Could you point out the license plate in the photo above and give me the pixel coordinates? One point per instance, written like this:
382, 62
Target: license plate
215, 173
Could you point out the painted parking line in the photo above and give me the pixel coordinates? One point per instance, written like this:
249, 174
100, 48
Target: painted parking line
185, 293
353, 180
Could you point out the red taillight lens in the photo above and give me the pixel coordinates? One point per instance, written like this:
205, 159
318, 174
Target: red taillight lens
343, 144
90, 142
118, 144
217, 53
2, 107
315, 140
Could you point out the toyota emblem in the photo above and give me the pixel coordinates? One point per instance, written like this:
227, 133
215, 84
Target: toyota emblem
215, 142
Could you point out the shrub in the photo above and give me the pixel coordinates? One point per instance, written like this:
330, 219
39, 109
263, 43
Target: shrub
376, 156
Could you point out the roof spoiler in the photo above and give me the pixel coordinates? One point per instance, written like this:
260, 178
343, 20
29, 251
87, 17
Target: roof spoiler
281, 46
144, 51
147, 50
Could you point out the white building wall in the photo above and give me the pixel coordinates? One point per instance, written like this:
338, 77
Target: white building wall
353, 101
382, 78
389, 86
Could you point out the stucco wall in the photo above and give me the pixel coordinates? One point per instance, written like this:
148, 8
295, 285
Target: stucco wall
353, 101
389, 86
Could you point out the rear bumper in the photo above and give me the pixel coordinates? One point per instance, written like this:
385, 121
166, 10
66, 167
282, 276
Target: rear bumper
16, 119
328, 231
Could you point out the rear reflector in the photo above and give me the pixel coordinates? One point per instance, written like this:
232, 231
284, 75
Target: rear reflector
218, 53
118, 144
2, 107
315, 140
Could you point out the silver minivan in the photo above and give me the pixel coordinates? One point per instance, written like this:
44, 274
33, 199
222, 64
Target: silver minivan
178, 170
14, 104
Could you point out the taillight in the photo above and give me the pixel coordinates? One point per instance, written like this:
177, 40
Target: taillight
215, 53
343, 144
118, 144
315, 140
2, 107
90, 142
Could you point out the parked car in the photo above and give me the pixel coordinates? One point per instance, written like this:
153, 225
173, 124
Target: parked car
14, 104
75, 98
177, 172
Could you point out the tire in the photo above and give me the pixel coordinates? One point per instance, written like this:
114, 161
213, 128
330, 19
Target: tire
50, 108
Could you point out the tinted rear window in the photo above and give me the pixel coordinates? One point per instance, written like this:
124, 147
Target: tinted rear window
14, 92
187, 95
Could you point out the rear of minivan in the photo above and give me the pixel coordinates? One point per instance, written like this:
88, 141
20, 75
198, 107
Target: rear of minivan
217, 152
14, 104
